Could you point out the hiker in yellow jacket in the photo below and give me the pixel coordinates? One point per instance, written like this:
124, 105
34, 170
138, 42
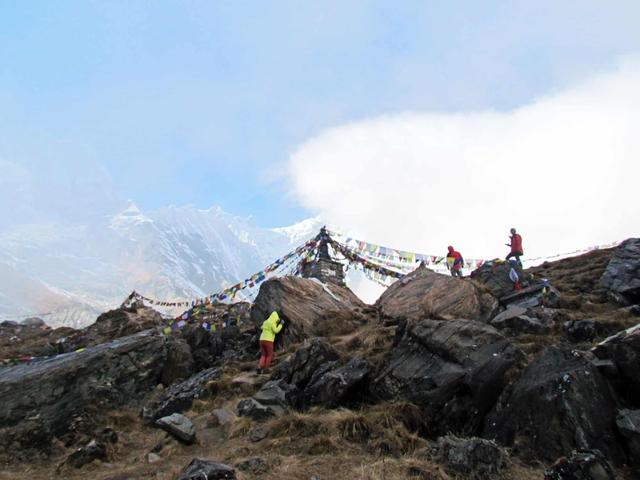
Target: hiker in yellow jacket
270, 327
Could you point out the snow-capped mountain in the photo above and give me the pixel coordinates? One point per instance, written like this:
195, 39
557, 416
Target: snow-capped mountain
74, 272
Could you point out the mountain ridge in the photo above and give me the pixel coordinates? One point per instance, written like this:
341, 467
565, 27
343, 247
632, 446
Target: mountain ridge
70, 272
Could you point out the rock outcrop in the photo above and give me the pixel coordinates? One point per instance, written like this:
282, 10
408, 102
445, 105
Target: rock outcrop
495, 276
335, 385
628, 423
179, 364
40, 400
453, 370
623, 349
516, 320
560, 403
622, 275
426, 294
304, 362
35, 338
581, 465
308, 306
120, 322
180, 396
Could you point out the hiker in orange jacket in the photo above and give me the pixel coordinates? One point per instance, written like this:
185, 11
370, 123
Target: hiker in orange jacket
270, 328
515, 242
454, 262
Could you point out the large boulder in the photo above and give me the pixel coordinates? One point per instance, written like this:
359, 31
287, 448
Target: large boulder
40, 400
179, 426
427, 294
179, 397
560, 403
276, 393
477, 457
622, 275
335, 385
34, 338
495, 276
179, 364
453, 370
623, 349
298, 368
308, 306
120, 323
206, 347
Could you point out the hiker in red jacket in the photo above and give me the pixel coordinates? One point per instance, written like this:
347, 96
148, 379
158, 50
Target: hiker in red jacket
516, 246
454, 262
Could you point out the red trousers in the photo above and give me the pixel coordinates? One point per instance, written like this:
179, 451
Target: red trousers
266, 353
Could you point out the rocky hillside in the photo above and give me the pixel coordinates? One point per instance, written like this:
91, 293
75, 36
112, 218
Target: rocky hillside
442, 378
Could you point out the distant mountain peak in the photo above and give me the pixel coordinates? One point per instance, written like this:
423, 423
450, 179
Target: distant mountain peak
300, 231
72, 271
131, 215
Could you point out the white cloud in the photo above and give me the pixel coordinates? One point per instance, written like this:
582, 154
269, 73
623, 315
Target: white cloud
563, 170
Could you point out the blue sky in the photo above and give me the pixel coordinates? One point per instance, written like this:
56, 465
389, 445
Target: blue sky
202, 102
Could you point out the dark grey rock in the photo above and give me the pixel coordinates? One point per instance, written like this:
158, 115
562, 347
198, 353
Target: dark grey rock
257, 433
257, 411
581, 465
536, 295
581, 330
495, 276
516, 321
622, 275
179, 426
628, 423
179, 397
207, 470
276, 392
453, 370
179, 364
300, 367
623, 349
40, 400
476, 456
87, 454
337, 386
511, 312
561, 402
606, 367
206, 347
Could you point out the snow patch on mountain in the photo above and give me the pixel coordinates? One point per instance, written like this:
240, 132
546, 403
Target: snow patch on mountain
70, 273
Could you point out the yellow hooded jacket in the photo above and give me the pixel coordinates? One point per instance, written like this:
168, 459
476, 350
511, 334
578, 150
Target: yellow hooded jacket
270, 327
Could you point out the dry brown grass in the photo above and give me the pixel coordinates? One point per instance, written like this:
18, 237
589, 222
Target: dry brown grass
390, 429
